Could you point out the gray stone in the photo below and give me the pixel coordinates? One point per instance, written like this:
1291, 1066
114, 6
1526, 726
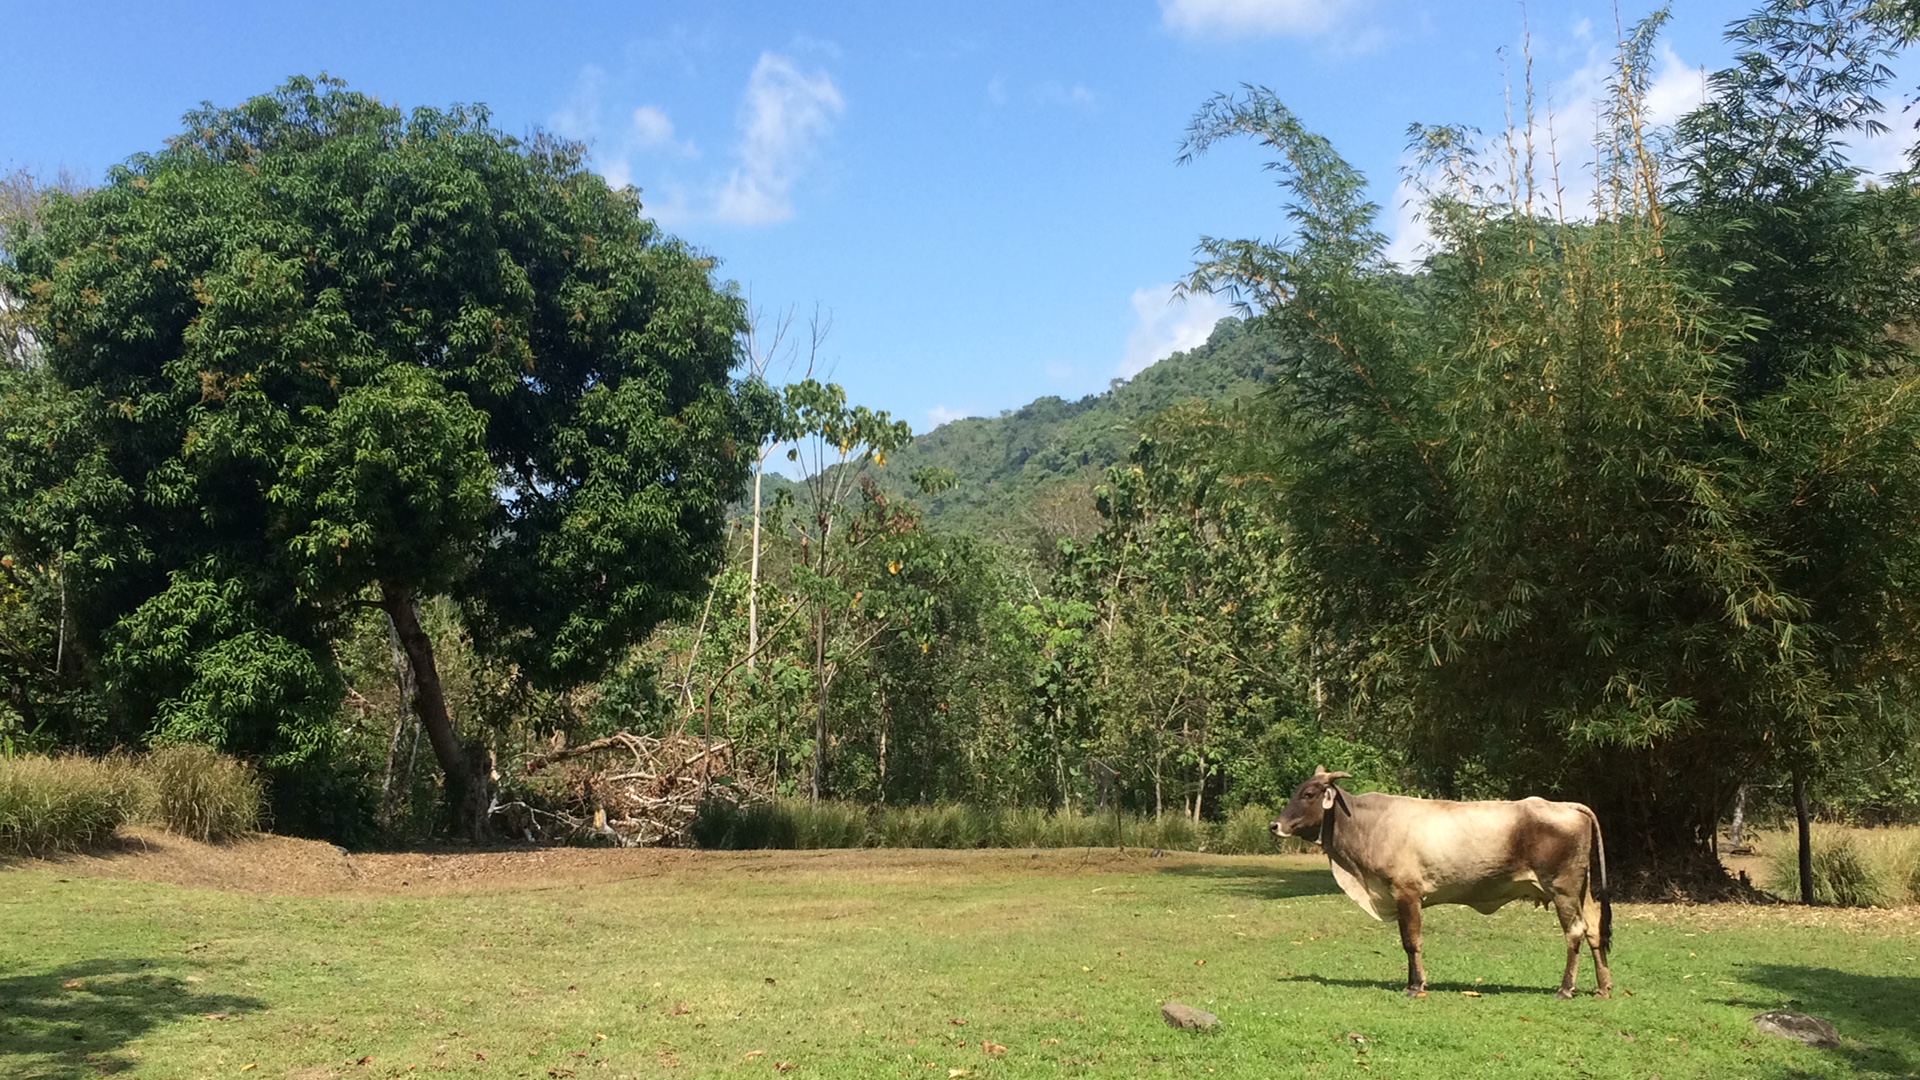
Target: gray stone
1187, 1017
1792, 1025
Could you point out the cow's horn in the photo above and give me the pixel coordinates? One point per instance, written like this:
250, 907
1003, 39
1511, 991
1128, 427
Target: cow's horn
1332, 776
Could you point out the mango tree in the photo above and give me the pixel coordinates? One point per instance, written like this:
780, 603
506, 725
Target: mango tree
335, 355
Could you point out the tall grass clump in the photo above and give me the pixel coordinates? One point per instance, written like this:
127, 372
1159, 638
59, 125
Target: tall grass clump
779, 823
940, 825
201, 794
1851, 867
53, 804
1245, 833
797, 823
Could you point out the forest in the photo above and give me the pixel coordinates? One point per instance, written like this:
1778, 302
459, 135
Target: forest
396, 454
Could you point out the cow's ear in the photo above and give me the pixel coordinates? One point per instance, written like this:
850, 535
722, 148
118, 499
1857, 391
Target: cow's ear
1326, 798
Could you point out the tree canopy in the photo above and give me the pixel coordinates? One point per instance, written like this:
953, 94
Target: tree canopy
322, 353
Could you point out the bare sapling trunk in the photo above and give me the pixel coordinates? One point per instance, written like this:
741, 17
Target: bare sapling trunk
821, 679
1806, 835
469, 779
391, 784
1737, 833
753, 568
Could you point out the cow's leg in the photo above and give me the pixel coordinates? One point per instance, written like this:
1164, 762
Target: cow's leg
1595, 920
1573, 922
1408, 905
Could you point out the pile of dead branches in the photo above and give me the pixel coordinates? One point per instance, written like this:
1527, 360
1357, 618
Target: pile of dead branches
629, 790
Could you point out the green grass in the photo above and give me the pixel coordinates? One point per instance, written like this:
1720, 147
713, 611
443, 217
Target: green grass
860, 964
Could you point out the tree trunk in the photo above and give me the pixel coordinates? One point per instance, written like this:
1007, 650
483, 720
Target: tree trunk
820, 711
1806, 835
1737, 833
886, 723
469, 779
403, 684
753, 569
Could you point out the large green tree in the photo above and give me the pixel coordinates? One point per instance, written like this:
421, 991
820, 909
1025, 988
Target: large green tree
331, 354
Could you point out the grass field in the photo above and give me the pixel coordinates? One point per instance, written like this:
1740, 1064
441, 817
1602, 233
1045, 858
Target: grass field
285, 959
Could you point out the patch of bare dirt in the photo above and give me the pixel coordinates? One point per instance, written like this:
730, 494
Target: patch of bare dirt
283, 865
1900, 920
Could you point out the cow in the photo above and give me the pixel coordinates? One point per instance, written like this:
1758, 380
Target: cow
1394, 855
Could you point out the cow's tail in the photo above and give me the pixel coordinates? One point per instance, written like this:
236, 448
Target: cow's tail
1602, 894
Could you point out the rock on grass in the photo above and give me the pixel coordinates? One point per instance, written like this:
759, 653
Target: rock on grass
1187, 1017
1792, 1025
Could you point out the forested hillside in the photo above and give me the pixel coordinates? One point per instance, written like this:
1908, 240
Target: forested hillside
1031, 471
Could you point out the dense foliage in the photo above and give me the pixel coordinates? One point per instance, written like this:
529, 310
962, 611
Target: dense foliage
317, 355
327, 427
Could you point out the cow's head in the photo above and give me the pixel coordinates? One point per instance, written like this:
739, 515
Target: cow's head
1304, 815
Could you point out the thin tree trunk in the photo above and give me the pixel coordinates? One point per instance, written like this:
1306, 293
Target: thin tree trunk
403, 684
1737, 834
886, 723
753, 569
820, 710
468, 775
1806, 835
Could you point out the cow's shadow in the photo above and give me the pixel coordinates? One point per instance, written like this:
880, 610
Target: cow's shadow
1878, 1016
76, 1021
1261, 882
1399, 986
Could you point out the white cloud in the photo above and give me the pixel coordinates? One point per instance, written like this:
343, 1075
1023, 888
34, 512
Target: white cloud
1164, 325
1886, 152
1058, 94
783, 116
652, 131
579, 118
1572, 108
940, 415
1301, 18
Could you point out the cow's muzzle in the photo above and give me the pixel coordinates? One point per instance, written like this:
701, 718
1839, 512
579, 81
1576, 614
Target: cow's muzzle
1277, 829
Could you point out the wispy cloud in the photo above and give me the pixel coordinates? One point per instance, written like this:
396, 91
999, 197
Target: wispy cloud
784, 115
652, 130
579, 117
1572, 107
940, 415
1295, 18
1062, 95
1164, 325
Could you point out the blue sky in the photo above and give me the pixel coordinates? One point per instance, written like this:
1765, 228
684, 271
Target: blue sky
982, 197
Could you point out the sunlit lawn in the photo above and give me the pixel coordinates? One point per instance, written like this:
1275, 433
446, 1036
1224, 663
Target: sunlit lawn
910, 964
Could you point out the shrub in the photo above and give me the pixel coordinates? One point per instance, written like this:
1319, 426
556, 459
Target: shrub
797, 823
201, 794
1245, 833
1174, 832
50, 804
780, 823
1851, 867
826, 824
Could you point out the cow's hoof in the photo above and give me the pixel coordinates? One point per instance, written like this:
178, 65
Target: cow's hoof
1565, 993
1604, 992
1416, 991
